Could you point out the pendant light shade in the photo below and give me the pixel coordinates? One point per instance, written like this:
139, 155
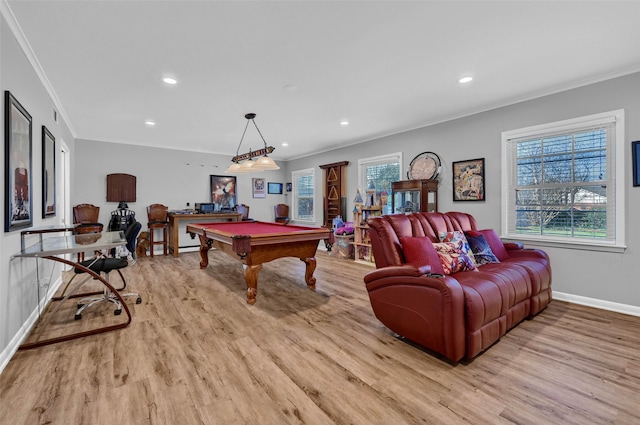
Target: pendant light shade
249, 165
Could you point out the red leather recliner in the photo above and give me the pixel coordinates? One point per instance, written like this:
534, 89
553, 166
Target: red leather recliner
461, 314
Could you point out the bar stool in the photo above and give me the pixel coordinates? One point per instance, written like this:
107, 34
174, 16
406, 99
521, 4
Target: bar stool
158, 219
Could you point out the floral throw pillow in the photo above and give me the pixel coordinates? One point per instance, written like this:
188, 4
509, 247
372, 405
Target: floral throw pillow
452, 258
481, 250
456, 236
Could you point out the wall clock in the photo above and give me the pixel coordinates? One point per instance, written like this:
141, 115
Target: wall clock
425, 166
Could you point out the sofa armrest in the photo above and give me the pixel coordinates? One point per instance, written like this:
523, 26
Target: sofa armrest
512, 246
424, 309
397, 271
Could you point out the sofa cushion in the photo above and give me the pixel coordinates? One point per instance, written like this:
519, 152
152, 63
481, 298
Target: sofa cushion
481, 250
455, 236
420, 251
453, 258
494, 241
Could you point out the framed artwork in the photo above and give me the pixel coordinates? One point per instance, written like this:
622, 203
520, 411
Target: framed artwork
635, 155
17, 156
289, 187
223, 192
468, 180
48, 174
274, 188
259, 189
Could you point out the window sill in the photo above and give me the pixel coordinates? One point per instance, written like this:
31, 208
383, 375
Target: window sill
550, 243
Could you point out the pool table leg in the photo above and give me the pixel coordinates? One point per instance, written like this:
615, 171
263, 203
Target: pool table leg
308, 275
205, 246
251, 277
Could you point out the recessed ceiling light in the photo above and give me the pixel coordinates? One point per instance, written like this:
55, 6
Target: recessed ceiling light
465, 80
170, 80
285, 144
150, 123
344, 123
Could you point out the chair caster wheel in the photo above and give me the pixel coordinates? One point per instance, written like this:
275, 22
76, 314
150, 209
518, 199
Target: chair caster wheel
78, 316
139, 300
117, 312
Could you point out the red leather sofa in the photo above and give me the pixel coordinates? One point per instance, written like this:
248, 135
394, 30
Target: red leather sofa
457, 315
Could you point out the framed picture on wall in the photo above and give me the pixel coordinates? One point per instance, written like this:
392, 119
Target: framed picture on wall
48, 174
259, 188
468, 180
223, 192
18, 177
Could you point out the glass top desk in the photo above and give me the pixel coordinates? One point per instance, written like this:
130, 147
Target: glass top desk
54, 248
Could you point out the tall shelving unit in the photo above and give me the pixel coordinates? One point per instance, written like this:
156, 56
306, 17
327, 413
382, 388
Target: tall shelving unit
362, 242
334, 191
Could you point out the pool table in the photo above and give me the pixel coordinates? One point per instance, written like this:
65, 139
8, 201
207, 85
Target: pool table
256, 242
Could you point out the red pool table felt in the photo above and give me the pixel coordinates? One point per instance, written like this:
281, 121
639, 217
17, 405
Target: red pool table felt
255, 243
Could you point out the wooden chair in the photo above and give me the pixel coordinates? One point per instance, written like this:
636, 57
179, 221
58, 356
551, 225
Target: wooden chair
158, 216
282, 213
244, 210
86, 217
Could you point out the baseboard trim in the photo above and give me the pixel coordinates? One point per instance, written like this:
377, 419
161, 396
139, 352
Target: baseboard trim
27, 327
601, 304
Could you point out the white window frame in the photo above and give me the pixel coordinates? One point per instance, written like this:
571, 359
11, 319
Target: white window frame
615, 157
294, 201
376, 160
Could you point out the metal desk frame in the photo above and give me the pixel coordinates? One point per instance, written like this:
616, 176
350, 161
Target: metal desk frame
51, 248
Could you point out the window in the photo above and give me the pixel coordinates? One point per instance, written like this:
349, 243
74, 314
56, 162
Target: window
563, 182
381, 171
303, 194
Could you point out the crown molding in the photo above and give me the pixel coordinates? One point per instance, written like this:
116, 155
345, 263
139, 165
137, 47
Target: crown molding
15, 28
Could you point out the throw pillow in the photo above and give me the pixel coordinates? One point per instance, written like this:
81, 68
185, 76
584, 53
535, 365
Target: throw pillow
481, 249
420, 251
455, 236
495, 243
452, 258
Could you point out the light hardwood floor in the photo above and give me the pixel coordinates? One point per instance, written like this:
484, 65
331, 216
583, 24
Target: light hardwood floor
196, 353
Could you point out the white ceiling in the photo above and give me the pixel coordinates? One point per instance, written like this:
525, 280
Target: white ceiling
385, 66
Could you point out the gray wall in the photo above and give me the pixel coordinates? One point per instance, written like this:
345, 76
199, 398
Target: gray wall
164, 176
603, 279
19, 295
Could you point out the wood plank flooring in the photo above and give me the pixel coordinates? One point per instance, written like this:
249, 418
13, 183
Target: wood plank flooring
196, 353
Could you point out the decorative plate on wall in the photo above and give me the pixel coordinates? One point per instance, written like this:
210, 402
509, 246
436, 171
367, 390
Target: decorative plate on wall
425, 166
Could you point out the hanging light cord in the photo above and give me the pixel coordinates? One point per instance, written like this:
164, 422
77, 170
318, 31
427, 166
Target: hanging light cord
242, 138
256, 125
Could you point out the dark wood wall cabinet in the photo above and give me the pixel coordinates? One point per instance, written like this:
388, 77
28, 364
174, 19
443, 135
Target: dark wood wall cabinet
335, 191
414, 196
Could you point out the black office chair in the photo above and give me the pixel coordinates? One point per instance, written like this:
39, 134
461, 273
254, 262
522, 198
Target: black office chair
108, 264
